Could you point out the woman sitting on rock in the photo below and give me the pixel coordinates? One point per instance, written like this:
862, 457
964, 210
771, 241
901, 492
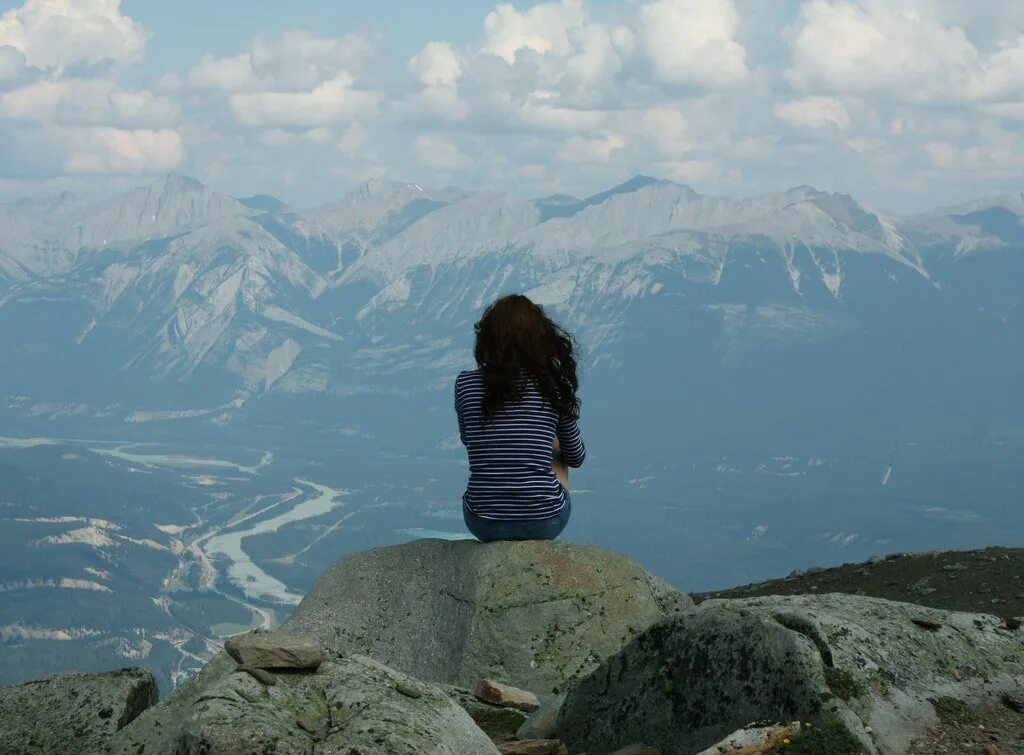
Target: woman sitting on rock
517, 419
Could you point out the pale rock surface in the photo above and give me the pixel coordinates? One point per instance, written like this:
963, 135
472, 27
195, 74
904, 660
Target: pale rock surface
860, 667
275, 650
348, 705
533, 747
755, 739
73, 712
497, 721
537, 615
497, 693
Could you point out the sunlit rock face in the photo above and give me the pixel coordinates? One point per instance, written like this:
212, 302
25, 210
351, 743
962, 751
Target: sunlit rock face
534, 614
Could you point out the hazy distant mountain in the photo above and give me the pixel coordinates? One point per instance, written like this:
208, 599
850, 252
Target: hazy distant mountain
47, 237
204, 300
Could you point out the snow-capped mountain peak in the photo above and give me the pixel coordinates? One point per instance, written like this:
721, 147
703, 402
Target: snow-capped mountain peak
370, 206
177, 279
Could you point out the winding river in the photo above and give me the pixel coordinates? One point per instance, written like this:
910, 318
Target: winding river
248, 576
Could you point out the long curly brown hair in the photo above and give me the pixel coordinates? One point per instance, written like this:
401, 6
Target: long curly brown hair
514, 338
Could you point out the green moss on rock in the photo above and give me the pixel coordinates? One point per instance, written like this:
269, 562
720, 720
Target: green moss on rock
825, 736
844, 684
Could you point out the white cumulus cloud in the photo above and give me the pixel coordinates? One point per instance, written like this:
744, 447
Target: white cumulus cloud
440, 152
12, 63
63, 109
55, 34
298, 60
543, 28
294, 80
436, 65
230, 74
588, 149
873, 97
113, 150
665, 128
814, 112
693, 42
330, 102
880, 47
87, 101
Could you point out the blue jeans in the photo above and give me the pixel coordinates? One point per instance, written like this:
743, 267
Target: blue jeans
487, 530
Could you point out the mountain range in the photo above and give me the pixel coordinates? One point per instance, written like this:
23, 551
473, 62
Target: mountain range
175, 300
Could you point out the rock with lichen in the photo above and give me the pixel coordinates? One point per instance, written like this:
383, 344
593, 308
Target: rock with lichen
535, 614
757, 739
491, 691
352, 704
366, 664
275, 650
73, 712
861, 668
498, 721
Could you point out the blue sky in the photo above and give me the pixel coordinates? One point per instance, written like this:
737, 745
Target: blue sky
903, 103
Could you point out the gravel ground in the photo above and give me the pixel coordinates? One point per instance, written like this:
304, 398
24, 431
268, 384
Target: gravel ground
985, 581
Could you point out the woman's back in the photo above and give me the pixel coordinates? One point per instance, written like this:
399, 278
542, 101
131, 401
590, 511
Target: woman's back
510, 453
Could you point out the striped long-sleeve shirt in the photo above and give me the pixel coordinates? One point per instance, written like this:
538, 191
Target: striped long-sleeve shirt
510, 475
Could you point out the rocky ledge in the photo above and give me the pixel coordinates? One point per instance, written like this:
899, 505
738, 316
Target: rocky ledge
548, 648
70, 713
864, 672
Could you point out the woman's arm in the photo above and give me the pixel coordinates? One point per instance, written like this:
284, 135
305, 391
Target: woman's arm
458, 409
570, 443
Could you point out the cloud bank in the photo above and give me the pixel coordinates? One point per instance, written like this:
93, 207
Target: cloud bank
902, 102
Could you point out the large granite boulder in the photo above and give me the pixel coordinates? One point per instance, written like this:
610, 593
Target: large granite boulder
534, 614
74, 712
863, 670
349, 705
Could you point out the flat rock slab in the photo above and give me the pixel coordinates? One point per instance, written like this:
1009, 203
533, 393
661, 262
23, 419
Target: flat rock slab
352, 705
72, 713
506, 695
497, 721
275, 650
533, 747
859, 668
756, 740
538, 615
